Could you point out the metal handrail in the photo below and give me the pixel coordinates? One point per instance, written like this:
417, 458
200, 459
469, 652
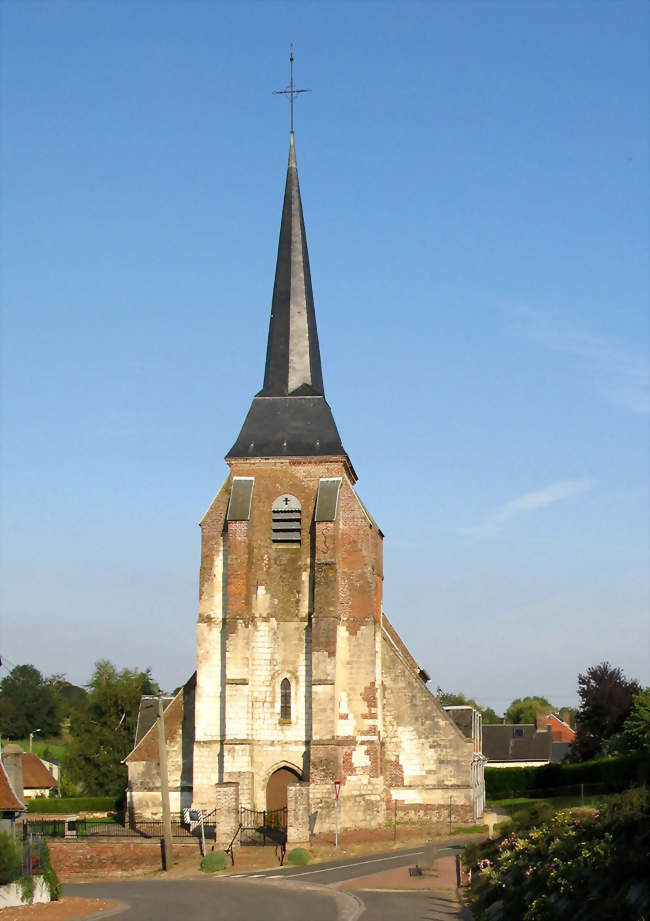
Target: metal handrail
231, 847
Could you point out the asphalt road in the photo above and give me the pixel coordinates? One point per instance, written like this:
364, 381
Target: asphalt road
221, 900
339, 871
282, 894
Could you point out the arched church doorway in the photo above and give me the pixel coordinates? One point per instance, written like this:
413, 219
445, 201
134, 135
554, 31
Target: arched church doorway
276, 788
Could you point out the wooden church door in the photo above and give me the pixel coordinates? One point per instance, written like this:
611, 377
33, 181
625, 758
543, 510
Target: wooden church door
276, 788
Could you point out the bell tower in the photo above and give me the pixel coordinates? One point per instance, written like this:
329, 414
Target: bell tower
290, 586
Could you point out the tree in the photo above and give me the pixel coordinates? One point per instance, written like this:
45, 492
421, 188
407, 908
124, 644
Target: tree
636, 729
458, 699
606, 699
28, 702
525, 709
72, 695
103, 728
490, 717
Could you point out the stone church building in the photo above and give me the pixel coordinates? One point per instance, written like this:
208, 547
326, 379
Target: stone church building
300, 676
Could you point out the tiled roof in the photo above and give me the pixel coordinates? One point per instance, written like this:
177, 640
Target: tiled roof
516, 742
35, 774
8, 799
148, 714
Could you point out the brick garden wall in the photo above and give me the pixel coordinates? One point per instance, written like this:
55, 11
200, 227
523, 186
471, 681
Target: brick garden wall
73, 859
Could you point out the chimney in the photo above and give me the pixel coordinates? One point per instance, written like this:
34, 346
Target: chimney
565, 716
541, 722
12, 758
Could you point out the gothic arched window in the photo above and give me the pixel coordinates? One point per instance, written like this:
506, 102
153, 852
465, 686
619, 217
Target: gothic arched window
285, 520
285, 699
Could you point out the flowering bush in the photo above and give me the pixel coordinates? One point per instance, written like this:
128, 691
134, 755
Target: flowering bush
572, 867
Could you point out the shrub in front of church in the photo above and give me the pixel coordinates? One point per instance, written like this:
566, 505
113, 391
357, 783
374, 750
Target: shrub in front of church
298, 857
215, 860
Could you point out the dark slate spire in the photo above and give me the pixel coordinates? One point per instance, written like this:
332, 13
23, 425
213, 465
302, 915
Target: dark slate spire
292, 355
290, 417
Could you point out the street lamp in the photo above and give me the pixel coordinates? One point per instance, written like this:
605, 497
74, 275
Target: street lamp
31, 736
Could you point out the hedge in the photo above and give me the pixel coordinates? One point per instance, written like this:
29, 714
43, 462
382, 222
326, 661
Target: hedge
75, 804
614, 774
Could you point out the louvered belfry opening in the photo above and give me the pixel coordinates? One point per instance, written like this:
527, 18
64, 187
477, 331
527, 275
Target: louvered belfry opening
286, 520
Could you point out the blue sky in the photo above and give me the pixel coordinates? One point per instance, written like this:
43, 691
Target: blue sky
474, 180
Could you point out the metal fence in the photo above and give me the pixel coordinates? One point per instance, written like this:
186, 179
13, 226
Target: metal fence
97, 828
256, 827
27, 861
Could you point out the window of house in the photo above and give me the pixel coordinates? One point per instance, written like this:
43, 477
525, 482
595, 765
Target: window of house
286, 520
285, 699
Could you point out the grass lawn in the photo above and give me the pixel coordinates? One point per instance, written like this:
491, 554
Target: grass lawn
52, 749
557, 802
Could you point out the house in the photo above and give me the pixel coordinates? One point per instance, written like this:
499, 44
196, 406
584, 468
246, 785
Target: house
517, 745
563, 734
38, 780
12, 804
559, 727
546, 741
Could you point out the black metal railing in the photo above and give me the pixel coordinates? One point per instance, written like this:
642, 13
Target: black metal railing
97, 828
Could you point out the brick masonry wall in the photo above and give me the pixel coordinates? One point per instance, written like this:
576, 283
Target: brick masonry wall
266, 634
346, 709
72, 859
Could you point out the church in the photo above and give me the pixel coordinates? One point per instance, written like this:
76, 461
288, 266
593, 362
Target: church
300, 678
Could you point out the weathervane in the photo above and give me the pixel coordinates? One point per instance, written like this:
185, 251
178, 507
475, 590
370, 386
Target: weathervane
290, 91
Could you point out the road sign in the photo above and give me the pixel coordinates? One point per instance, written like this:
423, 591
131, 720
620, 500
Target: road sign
337, 788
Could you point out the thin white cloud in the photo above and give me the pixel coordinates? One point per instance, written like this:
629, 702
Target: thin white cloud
621, 376
529, 502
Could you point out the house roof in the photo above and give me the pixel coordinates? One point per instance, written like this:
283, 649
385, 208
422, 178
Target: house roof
145, 747
290, 416
148, 714
558, 719
35, 774
9, 802
516, 742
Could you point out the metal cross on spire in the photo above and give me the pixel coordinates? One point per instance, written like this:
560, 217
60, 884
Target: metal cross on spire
290, 91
